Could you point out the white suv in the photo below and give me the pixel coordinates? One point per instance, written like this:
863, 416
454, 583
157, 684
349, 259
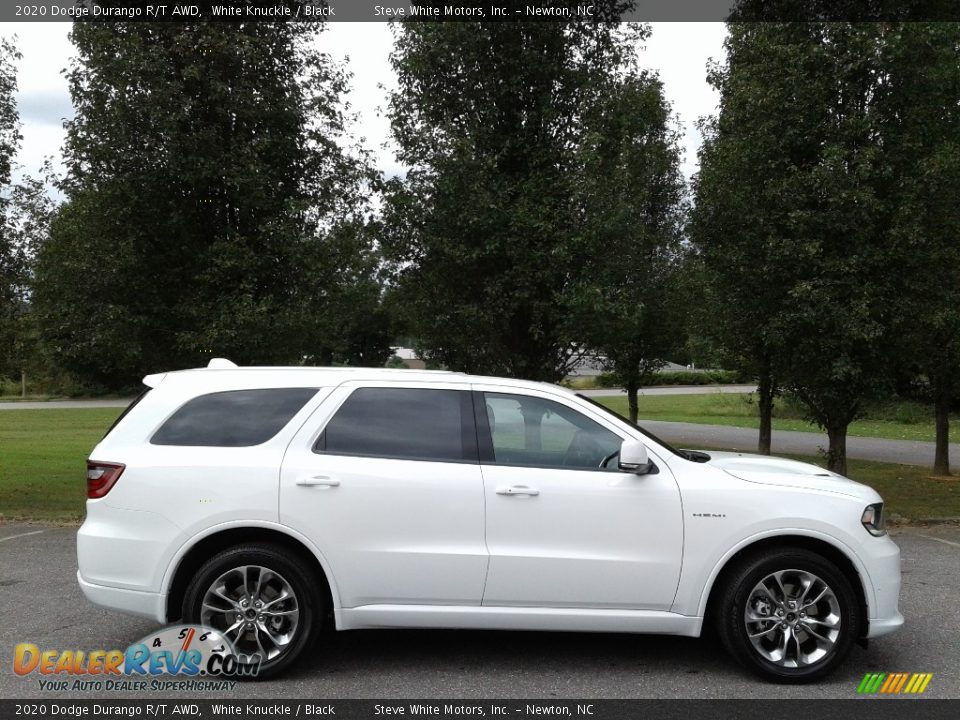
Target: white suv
261, 501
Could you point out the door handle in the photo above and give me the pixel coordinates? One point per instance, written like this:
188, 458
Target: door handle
517, 490
318, 481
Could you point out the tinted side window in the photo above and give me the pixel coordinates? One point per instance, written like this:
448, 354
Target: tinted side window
535, 432
237, 418
126, 412
408, 423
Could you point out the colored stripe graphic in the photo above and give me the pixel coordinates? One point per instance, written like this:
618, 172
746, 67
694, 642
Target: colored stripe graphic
900, 682
894, 683
891, 681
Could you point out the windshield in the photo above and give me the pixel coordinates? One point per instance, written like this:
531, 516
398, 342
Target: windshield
647, 433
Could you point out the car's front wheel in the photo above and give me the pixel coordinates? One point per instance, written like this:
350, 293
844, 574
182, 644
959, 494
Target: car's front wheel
788, 614
262, 599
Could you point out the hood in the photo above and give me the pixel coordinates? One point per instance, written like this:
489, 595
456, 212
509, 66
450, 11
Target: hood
788, 473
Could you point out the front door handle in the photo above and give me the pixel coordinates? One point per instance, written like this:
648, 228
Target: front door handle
318, 481
517, 490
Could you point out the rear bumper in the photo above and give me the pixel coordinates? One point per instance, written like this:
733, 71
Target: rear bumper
885, 626
120, 548
133, 602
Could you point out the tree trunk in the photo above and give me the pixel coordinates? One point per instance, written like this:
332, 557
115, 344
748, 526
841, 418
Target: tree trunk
532, 420
23, 383
632, 389
941, 456
837, 452
765, 392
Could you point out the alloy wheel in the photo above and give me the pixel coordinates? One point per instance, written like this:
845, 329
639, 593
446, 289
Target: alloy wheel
255, 608
793, 618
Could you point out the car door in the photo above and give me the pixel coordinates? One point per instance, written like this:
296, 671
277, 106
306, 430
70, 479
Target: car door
561, 530
384, 478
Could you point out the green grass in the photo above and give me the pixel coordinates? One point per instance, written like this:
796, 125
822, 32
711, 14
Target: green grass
28, 398
42, 454
658, 379
910, 491
892, 421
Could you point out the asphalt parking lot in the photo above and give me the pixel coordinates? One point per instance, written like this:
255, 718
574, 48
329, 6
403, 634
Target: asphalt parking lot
41, 603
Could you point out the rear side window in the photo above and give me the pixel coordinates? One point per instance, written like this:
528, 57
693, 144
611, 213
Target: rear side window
237, 418
126, 412
405, 423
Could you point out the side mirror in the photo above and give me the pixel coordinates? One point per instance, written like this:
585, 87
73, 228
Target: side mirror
633, 457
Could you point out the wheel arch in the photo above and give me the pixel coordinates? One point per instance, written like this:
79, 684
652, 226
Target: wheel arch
841, 557
192, 555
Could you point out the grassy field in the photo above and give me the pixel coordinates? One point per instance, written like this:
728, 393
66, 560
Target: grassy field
899, 421
909, 491
42, 455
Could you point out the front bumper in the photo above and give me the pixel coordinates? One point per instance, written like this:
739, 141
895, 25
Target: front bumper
883, 565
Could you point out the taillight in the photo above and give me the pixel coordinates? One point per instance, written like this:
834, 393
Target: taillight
101, 477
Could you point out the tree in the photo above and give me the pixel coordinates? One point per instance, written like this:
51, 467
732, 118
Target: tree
838, 333
633, 194
750, 151
807, 235
921, 131
205, 176
27, 226
486, 231
13, 255
357, 327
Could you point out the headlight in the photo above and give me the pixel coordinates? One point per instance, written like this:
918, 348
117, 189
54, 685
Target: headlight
873, 519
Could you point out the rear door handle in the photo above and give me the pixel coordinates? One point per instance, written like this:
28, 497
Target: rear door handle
318, 481
517, 490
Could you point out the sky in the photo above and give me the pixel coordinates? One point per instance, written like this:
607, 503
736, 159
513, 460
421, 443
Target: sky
679, 52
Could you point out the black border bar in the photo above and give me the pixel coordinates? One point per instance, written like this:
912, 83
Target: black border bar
479, 10
444, 709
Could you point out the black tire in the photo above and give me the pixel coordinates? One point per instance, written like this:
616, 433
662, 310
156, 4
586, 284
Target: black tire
738, 590
300, 577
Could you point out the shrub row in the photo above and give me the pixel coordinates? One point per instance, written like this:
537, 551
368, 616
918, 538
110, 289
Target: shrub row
677, 377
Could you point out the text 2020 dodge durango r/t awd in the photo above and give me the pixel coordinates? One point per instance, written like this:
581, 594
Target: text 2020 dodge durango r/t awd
260, 501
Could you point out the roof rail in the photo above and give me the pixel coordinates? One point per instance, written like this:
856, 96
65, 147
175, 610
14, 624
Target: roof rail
221, 364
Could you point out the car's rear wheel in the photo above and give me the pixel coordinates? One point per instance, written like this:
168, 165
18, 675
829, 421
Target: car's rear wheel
790, 615
261, 599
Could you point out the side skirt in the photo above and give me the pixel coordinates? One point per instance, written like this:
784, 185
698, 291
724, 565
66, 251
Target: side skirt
517, 618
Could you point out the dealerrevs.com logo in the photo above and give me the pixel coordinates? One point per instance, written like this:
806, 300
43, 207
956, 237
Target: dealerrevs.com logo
182, 651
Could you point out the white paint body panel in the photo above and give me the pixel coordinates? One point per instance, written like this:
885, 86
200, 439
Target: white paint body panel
589, 539
393, 531
431, 544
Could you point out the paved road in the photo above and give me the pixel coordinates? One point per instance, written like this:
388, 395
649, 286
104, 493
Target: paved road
674, 390
906, 452
604, 392
40, 603
65, 404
